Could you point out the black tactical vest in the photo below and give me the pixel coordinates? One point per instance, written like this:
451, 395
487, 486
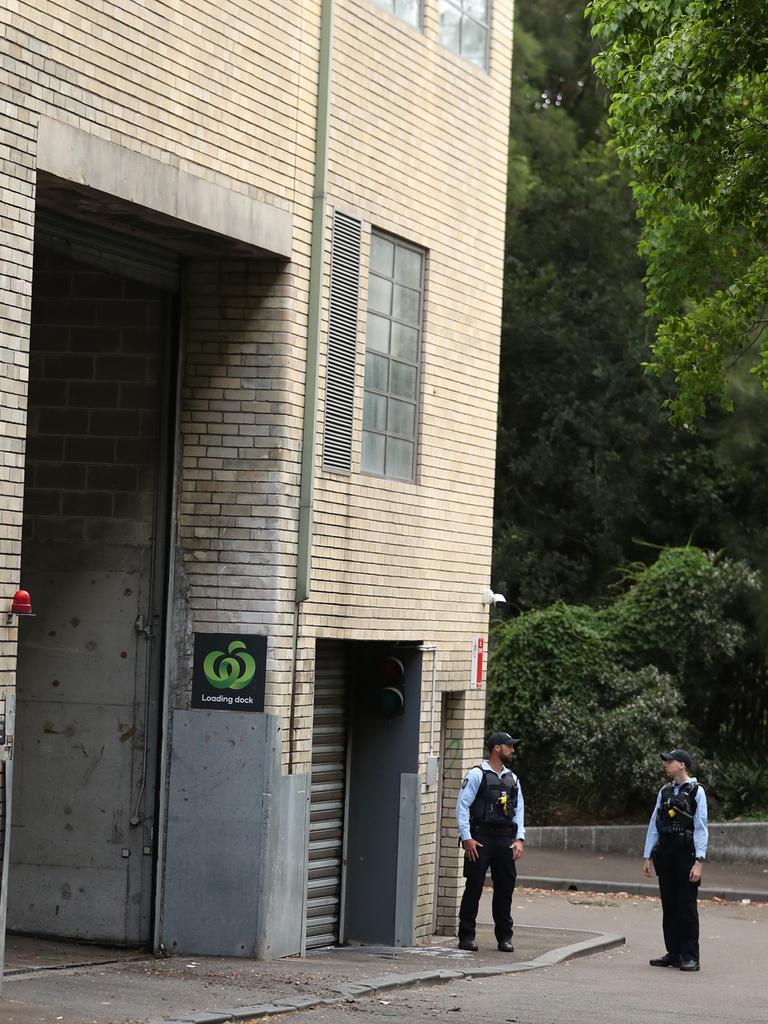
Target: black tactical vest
674, 816
493, 809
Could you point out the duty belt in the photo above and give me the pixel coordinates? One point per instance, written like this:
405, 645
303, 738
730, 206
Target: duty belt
676, 837
482, 828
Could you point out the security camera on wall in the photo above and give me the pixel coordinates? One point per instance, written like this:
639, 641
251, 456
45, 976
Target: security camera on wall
490, 598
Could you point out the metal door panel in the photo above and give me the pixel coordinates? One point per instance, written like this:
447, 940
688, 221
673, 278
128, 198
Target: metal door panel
89, 675
81, 646
53, 902
7, 731
77, 860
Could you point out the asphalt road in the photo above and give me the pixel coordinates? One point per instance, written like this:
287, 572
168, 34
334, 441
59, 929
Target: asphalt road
615, 987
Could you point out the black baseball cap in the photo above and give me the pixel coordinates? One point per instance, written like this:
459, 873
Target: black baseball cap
678, 755
501, 737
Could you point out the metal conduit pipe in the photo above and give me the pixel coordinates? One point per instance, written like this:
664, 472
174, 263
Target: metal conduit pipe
431, 649
432, 758
314, 322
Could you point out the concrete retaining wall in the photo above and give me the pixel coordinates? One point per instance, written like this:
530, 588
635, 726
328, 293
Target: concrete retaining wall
730, 843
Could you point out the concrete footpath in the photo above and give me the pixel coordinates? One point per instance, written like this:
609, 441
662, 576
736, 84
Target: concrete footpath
60, 983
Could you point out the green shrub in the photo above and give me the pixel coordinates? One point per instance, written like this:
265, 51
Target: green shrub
597, 693
741, 785
605, 748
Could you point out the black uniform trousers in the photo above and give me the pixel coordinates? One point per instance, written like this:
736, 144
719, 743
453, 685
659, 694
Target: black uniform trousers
673, 859
496, 853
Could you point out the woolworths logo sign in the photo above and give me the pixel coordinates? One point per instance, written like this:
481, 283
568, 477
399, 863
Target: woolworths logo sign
229, 672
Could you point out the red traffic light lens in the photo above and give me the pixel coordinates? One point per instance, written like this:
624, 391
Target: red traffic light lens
389, 694
393, 670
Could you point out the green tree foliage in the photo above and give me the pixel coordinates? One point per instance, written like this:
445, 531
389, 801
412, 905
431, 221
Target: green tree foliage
689, 107
571, 395
586, 460
589, 474
656, 667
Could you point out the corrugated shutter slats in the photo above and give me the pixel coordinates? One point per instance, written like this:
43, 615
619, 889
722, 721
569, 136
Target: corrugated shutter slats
342, 343
328, 788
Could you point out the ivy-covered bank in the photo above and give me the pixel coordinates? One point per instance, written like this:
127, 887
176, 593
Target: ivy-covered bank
596, 693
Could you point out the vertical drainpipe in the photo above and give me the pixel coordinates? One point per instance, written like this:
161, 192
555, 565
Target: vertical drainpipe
314, 323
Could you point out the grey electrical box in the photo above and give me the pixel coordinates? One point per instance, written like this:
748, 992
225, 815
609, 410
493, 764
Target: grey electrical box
433, 764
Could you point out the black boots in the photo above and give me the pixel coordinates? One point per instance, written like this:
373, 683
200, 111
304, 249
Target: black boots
668, 960
675, 960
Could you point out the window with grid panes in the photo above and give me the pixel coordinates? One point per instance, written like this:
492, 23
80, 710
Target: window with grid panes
408, 10
392, 352
464, 29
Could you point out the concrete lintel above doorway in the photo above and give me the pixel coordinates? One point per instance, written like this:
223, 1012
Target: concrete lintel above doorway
149, 198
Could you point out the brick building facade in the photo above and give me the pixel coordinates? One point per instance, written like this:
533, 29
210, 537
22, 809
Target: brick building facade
160, 166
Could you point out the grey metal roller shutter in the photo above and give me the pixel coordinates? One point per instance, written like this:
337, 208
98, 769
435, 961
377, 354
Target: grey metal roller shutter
328, 789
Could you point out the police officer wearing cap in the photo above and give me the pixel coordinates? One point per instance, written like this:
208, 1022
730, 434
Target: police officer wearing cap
676, 844
489, 813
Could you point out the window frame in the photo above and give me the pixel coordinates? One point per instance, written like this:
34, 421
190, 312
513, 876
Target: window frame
418, 26
403, 243
458, 5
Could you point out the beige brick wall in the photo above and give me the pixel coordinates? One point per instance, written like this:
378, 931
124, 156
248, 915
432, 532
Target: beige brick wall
423, 158
239, 460
418, 148
216, 89
17, 185
227, 94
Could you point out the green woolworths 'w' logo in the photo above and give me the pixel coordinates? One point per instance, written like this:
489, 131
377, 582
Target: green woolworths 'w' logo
230, 673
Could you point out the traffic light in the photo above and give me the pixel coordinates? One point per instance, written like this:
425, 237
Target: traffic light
389, 687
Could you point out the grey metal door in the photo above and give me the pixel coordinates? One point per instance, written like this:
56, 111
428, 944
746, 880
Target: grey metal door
327, 800
88, 677
7, 710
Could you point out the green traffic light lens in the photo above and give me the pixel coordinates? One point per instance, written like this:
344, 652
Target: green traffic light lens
390, 701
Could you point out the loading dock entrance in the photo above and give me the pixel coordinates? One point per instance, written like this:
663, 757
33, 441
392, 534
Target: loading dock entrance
93, 558
365, 794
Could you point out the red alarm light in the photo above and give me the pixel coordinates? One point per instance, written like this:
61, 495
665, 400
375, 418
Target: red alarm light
21, 604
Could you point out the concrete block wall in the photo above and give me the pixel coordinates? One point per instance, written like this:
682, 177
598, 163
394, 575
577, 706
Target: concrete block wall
729, 842
95, 375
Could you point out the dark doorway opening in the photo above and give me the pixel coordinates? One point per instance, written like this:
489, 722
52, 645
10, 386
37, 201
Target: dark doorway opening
363, 848
94, 559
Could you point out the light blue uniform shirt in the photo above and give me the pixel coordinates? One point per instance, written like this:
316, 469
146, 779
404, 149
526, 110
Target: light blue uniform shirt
468, 792
700, 830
